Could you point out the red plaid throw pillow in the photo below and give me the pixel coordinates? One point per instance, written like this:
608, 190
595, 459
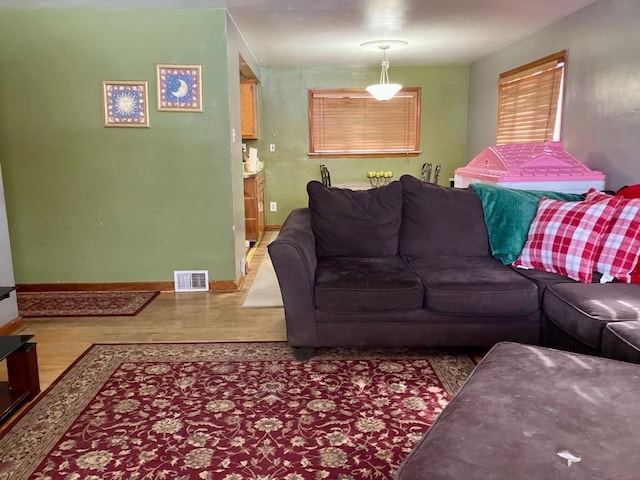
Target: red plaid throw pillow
618, 256
564, 237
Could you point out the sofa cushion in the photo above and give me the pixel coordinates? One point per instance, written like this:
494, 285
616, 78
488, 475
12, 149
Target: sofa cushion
441, 221
542, 279
474, 286
617, 256
362, 223
564, 237
583, 310
508, 213
356, 284
621, 340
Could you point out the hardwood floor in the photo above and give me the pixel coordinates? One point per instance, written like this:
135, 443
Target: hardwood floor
171, 317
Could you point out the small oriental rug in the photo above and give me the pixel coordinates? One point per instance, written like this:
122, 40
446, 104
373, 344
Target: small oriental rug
243, 411
83, 304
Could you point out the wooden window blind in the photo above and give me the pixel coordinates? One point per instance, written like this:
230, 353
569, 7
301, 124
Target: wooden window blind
351, 122
530, 101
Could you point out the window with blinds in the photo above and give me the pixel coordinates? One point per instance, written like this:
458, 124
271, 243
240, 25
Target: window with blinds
351, 122
530, 101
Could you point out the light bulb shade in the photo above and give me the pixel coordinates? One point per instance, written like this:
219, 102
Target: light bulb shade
384, 91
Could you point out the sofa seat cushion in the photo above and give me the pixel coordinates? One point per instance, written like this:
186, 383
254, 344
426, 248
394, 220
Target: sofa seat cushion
376, 284
474, 286
621, 340
542, 279
583, 310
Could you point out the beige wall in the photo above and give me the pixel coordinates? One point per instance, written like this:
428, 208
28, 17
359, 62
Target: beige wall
602, 101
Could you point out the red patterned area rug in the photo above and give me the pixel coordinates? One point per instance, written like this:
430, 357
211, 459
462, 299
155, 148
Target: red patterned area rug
83, 304
231, 411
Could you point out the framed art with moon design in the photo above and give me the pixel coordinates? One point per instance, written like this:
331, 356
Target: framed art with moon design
179, 88
125, 103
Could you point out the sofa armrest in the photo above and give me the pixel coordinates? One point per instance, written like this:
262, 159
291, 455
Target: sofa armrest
293, 254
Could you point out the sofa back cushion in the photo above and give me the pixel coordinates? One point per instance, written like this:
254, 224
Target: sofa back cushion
441, 221
355, 223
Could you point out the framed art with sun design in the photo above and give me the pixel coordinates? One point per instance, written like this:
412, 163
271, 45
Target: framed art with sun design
125, 103
179, 88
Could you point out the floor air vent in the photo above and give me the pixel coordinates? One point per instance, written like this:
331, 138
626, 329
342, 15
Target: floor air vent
191, 281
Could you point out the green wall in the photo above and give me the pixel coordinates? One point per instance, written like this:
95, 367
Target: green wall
93, 204
283, 121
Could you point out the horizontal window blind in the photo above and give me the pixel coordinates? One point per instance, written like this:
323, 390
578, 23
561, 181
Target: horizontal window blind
352, 122
529, 101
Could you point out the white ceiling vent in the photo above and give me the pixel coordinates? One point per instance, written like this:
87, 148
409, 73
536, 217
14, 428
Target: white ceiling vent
191, 280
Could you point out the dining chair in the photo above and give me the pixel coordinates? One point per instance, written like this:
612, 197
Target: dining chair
436, 174
325, 175
425, 172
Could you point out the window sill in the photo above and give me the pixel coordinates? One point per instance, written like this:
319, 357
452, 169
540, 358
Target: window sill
365, 154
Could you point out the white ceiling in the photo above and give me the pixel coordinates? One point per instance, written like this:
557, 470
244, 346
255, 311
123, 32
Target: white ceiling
329, 32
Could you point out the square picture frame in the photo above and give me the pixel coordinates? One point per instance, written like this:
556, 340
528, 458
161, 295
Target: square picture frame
179, 87
125, 103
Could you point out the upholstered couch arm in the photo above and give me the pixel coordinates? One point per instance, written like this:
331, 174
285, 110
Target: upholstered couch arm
293, 254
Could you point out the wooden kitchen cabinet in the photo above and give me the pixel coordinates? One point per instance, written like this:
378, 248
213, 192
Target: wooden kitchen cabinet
254, 212
249, 109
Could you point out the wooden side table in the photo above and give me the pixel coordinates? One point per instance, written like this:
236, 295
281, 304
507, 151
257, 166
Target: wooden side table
22, 371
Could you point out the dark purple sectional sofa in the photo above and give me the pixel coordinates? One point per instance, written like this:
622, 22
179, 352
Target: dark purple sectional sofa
410, 264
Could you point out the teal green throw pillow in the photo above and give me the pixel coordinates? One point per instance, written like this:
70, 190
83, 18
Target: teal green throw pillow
508, 213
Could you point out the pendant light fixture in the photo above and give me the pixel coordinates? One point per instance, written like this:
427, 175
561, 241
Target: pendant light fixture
384, 90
